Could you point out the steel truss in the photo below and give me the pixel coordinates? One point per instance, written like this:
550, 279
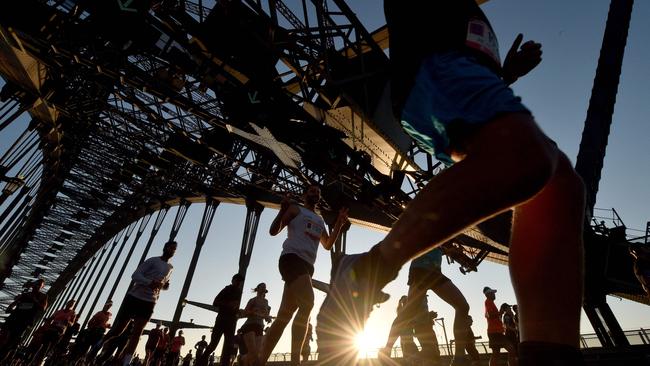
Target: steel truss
163, 113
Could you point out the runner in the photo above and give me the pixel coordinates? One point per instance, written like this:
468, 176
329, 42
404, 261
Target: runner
641, 259
57, 326
422, 321
200, 347
515, 310
175, 349
238, 347
228, 303
152, 343
22, 313
61, 350
161, 349
305, 230
257, 311
116, 345
401, 328
93, 333
470, 345
452, 95
149, 278
495, 330
37, 339
187, 360
425, 274
509, 324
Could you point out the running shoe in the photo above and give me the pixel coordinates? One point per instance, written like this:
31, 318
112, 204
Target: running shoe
354, 290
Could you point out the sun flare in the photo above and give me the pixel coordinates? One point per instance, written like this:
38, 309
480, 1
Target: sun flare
367, 344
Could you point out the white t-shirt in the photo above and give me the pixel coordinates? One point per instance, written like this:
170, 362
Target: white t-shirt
153, 269
303, 235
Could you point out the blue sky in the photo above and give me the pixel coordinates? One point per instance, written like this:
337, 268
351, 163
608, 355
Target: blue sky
557, 92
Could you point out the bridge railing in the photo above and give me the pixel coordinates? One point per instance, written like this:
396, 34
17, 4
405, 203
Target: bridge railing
639, 336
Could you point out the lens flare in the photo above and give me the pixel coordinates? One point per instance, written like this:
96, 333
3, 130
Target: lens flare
365, 344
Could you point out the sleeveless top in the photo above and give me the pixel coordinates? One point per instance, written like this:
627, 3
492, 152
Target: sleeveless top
257, 306
303, 237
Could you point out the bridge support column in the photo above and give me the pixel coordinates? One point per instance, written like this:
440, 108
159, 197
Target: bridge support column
178, 220
609, 332
206, 221
253, 214
99, 259
591, 156
127, 234
11, 226
138, 235
17, 108
143, 223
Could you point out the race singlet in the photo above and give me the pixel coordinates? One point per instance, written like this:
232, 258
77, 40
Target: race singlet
26, 306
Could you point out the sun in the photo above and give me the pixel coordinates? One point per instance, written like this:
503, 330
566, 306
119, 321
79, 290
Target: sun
367, 344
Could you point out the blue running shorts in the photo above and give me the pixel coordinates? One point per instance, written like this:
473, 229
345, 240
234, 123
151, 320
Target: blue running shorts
452, 87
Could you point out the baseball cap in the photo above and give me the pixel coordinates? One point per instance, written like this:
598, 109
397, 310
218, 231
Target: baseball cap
487, 290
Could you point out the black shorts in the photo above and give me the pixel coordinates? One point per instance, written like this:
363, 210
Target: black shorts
498, 340
150, 347
94, 335
291, 267
134, 308
426, 279
52, 335
258, 329
16, 325
159, 352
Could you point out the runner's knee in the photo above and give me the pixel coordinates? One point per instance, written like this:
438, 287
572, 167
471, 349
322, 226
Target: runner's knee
306, 303
526, 157
536, 166
283, 317
461, 307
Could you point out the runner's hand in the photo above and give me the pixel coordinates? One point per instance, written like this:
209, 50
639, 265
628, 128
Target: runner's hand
343, 216
521, 59
155, 284
285, 203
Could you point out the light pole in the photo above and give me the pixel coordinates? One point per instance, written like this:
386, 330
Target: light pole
11, 186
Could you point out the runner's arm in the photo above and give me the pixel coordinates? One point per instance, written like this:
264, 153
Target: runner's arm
328, 240
248, 310
165, 283
283, 218
138, 275
219, 299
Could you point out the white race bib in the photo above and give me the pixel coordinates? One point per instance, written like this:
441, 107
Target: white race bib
313, 229
481, 38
